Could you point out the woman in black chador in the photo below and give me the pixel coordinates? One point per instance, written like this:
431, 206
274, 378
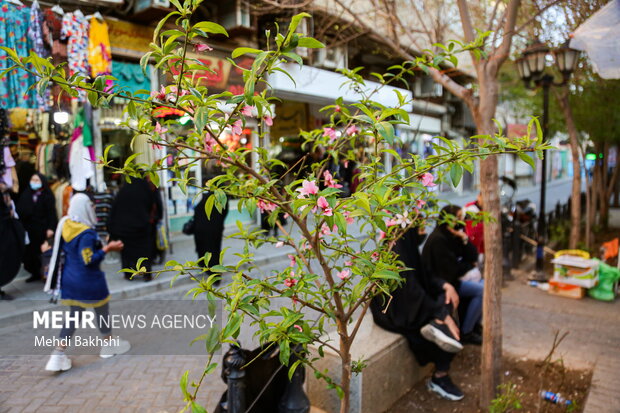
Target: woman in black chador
420, 310
12, 236
133, 220
208, 232
37, 212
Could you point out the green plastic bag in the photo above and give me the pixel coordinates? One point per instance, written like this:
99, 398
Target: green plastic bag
608, 277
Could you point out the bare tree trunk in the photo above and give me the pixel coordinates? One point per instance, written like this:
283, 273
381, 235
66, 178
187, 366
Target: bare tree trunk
345, 356
493, 274
573, 134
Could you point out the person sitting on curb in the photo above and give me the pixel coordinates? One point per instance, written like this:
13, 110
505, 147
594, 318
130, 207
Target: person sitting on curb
81, 282
420, 309
449, 255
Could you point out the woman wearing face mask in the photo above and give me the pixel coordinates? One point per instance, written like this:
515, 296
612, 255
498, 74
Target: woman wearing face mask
79, 281
37, 212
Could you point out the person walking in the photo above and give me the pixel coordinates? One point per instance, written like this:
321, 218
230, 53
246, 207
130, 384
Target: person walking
79, 281
133, 220
37, 211
208, 232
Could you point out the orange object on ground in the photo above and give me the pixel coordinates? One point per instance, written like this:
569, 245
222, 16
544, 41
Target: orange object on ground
566, 290
610, 249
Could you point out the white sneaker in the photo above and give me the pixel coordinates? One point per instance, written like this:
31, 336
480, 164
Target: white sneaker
112, 349
58, 362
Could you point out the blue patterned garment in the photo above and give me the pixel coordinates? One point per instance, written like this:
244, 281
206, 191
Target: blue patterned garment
14, 85
130, 76
35, 34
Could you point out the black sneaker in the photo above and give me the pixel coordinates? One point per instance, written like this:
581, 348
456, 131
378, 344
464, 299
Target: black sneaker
472, 338
440, 334
444, 387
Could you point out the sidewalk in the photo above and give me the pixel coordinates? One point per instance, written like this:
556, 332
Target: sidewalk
31, 296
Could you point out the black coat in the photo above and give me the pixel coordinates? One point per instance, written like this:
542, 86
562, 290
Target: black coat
208, 233
445, 256
37, 217
11, 244
136, 210
416, 302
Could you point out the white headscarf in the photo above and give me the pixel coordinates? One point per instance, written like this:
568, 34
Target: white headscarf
80, 210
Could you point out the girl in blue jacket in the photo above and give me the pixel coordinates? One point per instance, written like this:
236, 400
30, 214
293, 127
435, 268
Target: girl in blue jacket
80, 281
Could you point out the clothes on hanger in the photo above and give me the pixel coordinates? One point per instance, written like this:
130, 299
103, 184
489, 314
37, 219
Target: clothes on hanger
35, 34
14, 85
75, 30
99, 49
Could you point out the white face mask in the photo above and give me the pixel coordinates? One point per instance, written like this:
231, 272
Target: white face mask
35, 186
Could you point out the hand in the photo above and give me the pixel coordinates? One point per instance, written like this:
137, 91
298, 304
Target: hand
452, 327
451, 295
113, 246
49, 233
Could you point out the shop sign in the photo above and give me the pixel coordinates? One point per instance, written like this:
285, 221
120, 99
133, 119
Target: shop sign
129, 38
219, 74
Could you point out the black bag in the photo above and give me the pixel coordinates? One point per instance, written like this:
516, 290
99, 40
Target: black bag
189, 227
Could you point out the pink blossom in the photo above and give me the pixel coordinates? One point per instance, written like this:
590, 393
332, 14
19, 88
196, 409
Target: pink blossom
298, 327
161, 95
330, 133
160, 129
266, 206
290, 282
237, 127
307, 188
374, 256
201, 47
210, 142
381, 235
279, 244
247, 110
329, 180
347, 217
403, 219
352, 130
338, 108
427, 179
325, 229
391, 222
286, 216
348, 263
346, 163
268, 120
293, 260
420, 203
344, 274
324, 205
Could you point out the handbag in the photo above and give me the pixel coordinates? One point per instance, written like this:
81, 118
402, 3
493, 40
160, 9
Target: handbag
188, 227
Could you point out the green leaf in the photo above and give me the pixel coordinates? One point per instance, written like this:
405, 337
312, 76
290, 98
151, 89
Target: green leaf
285, 352
386, 275
211, 27
161, 24
212, 341
294, 57
310, 43
240, 51
209, 205
196, 408
201, 118
183, 384
456, 173
386, 130
294, 23
527, 159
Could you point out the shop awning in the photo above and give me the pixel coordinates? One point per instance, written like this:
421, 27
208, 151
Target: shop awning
599, 37
313, 85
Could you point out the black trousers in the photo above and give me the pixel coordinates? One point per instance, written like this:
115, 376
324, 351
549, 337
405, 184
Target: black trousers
32, 257
100, 312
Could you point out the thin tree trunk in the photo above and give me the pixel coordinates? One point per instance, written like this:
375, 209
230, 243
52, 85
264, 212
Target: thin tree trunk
573, 134
493, 274
345, 355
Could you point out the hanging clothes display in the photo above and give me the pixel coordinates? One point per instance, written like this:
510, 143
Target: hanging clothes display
81, 166
99, 49
75, 30
13, 34
130, 76
35, 34
52, 35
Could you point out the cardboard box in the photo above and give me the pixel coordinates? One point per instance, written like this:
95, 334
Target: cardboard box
566, 290
570, 269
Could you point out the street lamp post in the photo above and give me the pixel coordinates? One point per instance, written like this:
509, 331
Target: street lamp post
531, 68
